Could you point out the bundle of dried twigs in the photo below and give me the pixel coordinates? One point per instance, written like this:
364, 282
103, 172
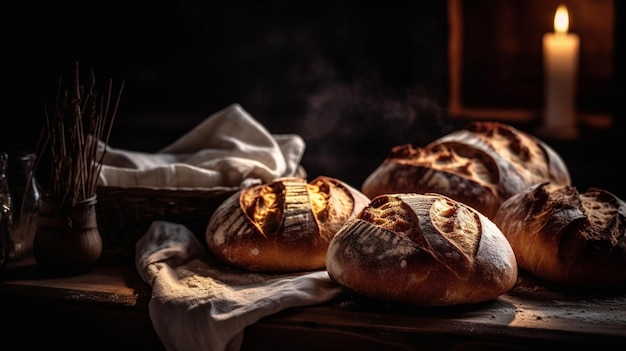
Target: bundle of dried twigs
80, 119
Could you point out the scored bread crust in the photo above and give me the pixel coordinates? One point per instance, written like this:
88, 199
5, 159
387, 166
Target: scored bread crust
282, 226
531, 158
422, 249
453, 169
566, 237
481, 166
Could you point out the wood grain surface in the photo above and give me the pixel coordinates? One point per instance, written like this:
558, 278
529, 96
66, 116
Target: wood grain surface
530, 316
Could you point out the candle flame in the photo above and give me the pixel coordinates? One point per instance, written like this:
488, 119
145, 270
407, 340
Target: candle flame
561, 19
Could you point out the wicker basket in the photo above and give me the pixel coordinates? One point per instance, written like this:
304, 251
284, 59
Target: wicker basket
125, 214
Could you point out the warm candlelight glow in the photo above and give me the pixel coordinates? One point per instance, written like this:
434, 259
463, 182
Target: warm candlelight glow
560, 55
561, 19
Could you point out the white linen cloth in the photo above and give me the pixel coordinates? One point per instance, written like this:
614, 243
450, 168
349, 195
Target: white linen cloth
228, 149
199, 304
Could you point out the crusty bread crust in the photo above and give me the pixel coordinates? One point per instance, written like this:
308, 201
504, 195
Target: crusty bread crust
534, 160
463, 173
481, 166
566, 237
283, 226
422, 249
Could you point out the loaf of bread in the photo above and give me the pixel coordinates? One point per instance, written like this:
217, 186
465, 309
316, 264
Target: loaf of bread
283, 226
422, 249
534, 160
565, 237
480, 165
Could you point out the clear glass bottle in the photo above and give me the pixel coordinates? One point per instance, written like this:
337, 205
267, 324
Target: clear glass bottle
6, 213
26, 203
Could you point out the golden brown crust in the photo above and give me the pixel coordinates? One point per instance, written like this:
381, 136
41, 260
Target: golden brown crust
283, 226
566, 237
481, 166
422, 249
452, 169
531, 158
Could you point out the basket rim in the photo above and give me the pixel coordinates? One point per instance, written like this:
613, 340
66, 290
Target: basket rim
216, 189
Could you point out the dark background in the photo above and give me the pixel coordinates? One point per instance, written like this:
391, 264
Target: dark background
353, 79
503, 61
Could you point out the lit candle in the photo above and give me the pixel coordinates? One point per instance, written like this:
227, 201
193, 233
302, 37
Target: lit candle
560, 56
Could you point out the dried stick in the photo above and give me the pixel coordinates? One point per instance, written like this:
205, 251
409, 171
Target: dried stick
81, 118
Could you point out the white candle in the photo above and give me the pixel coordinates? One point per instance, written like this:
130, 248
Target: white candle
560, 56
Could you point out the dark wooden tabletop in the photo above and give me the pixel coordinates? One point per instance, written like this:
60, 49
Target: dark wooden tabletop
107, 308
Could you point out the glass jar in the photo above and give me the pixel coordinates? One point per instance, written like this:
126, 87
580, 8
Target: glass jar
6, 213
26, 203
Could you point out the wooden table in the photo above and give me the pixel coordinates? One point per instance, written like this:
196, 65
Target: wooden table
107, 308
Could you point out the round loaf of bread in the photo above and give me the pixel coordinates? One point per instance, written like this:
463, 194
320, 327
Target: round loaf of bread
531, 158
565, 237
481, 166
283, 226
464, 173
422, 249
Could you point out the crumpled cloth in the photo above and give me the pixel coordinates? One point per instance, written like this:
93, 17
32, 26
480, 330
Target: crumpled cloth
228, 149
199, 304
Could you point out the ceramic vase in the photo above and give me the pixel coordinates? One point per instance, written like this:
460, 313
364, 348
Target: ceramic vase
67, 240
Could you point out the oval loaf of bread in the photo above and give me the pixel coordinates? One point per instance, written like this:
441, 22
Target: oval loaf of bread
283, 226
566, 237
481, 166
422, 249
